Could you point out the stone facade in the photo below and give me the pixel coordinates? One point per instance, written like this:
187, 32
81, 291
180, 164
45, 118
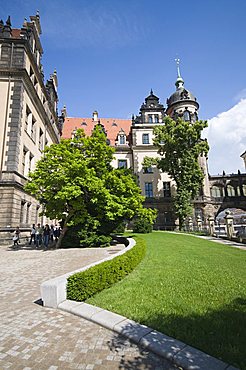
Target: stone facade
28, 119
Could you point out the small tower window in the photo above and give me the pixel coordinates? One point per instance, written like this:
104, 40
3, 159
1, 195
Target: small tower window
150, 118
186, 115
156, 118
145, 139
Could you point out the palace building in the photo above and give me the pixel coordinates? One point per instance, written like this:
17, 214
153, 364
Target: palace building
28, 119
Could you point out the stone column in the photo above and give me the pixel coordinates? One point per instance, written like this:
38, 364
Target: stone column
211, 225
229, 224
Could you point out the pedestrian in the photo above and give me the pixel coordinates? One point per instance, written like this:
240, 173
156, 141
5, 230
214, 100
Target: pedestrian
57, 232
33, 235
39, 235
52, 233
16, 236
46, 235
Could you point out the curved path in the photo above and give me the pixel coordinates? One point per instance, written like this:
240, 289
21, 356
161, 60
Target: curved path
34, 337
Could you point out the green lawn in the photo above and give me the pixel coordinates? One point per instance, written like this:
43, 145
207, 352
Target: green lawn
189, 288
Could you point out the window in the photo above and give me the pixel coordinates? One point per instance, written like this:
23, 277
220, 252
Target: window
166, 189
30, 162
150, 118
186, 115
244, 189
148, 170
33, 129
122, 139
149, 189
28, 212
145, 139
22, 212
230, 191
24, 160
122, 163
156, 118
27, 118
217, 191
41, 140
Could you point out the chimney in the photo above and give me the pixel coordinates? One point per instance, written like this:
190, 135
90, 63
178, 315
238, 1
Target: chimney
64, 111
95, 117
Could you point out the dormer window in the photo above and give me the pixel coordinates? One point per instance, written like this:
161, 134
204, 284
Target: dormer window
122, 139
150, 118
186, 115
156, 118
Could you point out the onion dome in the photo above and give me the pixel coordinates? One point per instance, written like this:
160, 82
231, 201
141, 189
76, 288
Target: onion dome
181, 95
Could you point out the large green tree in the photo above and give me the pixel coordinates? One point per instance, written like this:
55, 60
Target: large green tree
179, 146
75, 183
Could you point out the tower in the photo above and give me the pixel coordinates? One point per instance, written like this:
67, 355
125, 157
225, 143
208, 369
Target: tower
182, 103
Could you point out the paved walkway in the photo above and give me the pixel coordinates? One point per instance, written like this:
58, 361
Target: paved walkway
34, 337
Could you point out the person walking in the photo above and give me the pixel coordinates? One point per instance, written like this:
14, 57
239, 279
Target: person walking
46, 235
39, 235
57, 232
16, 236
52, 233
33, 235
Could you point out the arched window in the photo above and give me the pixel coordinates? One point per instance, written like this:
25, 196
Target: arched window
217, 191
186, 115
150, 118
244, 189
156, 118
230, 191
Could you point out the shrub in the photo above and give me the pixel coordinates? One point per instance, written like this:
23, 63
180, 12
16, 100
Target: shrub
120, 229
85, 284
142, 225
77, 237
90, 239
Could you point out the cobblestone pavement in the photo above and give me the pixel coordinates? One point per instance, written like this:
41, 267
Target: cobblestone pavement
34, 337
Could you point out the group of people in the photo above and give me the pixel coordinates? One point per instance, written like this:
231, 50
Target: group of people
43, 235
40, 235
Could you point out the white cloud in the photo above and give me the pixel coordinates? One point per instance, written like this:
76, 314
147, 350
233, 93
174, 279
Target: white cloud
241, 95
226, 134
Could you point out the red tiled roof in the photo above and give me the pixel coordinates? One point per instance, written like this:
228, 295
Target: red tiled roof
16, 33
112, 127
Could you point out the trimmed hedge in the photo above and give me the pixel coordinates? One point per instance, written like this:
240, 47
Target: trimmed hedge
85, 284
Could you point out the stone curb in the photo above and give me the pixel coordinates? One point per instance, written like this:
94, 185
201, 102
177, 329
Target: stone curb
53, 291
177, 352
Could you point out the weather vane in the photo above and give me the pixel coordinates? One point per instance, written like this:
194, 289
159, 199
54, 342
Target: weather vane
177, 60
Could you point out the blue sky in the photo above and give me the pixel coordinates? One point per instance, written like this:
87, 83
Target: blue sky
109, 54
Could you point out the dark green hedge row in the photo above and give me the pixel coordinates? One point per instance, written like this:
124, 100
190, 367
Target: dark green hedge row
85, 284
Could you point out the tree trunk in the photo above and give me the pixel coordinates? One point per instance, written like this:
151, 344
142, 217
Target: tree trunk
63, 232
